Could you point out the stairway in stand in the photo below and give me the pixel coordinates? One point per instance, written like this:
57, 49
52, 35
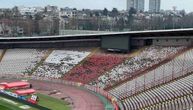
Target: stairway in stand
42, 60
2, 54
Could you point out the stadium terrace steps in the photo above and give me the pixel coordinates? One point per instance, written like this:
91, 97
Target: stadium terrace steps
93, 51
137, 74
137, 52
157, 86
130, 55
59, 63
147, 58
42, 60
178, 67
171, 96
19, 61
93, 67
2, 53
124, 58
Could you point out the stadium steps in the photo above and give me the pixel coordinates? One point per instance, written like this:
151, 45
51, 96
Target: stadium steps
93, 51
136, 52
171, 96
129, 56
137, 74
179, 103
157, 86
42, 60
2, 54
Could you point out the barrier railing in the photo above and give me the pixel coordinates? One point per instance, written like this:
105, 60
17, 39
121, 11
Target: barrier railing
145, 69
152, 84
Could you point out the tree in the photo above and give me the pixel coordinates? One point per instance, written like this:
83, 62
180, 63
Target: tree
3, 28
105, 12
97, 14
132, 11
7, 13
45, 10
183, 13
130, 17
16, 12
120, 24
114, 12
37, 17
74, 9
16, 15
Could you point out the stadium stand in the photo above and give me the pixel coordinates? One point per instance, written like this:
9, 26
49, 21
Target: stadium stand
177, 67
93, 67
177, 95
60, 62
49, 51
155, 78
20, 61
147, 58
2, 52
89, 68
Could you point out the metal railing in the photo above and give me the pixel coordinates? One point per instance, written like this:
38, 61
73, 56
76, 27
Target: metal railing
155, 83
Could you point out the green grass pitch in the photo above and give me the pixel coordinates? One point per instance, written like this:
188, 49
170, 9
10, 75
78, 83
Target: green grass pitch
46, 101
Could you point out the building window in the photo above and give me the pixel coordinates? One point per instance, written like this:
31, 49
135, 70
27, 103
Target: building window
166, 40
177, 40
187, 40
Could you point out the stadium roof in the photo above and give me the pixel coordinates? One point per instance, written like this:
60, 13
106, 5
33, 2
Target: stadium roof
25, 92
139, 33
16, 84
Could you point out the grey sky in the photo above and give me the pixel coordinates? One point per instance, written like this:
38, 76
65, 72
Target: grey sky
95, 4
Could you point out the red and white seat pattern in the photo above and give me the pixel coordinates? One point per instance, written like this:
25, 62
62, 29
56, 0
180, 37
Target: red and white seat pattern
93, 67
148, 57
178, 66
60, 62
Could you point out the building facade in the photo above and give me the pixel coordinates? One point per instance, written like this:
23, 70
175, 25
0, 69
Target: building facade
139, 5
154, 5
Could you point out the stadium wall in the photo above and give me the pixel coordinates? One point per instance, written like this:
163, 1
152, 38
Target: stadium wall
137, 43
121, 43
173, 42
52, 44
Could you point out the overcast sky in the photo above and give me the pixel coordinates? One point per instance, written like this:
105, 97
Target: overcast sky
95, 4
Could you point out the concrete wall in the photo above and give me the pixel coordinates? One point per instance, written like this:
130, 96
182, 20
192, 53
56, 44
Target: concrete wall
172, 42
135, 43
116, 42
52, 45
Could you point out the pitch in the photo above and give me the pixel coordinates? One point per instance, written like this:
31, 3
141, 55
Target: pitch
45, 101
